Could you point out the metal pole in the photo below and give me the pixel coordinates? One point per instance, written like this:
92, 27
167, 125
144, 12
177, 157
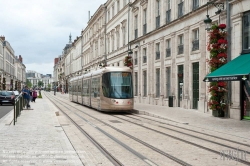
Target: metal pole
228, 55
14, 112
128, 25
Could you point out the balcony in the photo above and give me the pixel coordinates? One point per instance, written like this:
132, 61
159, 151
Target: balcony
157, 22
168, 52
180, 9
136, 33
168, 16
157, 55
195, 45
180, 49
144, 59
144, 29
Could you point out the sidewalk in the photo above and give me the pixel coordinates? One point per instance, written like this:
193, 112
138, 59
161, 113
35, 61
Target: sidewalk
36, 139
239, 128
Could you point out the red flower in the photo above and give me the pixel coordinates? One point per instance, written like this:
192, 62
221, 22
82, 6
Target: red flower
222, 55
222, 26
222, 41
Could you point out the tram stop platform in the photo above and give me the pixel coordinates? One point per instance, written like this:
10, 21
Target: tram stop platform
37, 132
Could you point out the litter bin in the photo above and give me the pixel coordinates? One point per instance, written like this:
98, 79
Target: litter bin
171, 101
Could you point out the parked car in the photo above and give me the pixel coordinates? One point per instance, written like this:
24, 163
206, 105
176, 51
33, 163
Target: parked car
7, 97
16, 93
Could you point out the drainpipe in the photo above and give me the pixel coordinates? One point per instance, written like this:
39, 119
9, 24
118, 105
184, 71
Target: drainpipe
105, 37
128, 26
228, 6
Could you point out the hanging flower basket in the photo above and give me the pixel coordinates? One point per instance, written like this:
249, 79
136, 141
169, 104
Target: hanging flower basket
128, 61
218, 57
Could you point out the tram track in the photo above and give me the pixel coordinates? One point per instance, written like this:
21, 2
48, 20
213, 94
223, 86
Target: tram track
202, 133
108, 155
191, 143
174, 137
175, 159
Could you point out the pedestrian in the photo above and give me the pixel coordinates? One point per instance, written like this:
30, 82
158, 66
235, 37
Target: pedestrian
26, 96
31, 94
34, 95
54, 90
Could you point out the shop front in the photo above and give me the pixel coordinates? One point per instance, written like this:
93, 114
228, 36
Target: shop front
236, 70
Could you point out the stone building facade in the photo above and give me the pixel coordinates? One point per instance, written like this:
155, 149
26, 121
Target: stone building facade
12, 69
168, 42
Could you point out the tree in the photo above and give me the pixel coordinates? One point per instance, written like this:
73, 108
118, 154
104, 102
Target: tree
28, 83
40, 84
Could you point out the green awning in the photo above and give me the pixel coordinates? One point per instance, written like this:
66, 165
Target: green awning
235, 70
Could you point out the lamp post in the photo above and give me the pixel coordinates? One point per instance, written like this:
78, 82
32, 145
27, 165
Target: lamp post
208, 21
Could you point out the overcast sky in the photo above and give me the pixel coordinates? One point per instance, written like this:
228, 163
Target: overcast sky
39, 29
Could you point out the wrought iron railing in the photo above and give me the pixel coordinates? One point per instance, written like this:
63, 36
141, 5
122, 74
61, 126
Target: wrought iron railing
195, 45
180, 49
144, 59
135, 60
157, 55
168, 52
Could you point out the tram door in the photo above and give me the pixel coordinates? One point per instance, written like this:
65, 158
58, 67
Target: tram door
180, 85
246, 100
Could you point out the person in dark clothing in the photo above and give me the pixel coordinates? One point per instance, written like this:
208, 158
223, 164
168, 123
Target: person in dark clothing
26, 95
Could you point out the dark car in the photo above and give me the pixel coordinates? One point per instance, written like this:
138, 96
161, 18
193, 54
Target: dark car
7, 97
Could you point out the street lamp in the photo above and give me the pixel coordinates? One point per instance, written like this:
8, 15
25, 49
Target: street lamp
208, 21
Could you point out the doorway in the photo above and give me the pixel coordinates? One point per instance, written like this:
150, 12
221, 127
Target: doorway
195, 85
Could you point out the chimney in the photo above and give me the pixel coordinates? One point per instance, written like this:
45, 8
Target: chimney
89, 15
20, 58
3, 38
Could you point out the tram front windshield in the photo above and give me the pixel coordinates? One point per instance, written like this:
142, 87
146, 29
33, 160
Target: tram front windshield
117, 85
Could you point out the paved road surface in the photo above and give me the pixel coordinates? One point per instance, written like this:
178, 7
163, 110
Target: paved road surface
4, 109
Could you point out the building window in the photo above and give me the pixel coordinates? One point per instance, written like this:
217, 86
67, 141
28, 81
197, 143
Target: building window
157, 14
124, 3
246, 33
108, 15
195, 40
136, 26
124, 35
136, 84
113, 11
168, 12
181, 45
144, 55
180, 8
168, 49
135, 58
195, 4
118, 6
157, 87
144, 21
157, 51
168, 81
144, 83
118, 40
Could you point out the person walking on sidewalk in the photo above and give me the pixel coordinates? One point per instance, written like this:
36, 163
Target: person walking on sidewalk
34, 95
26, 96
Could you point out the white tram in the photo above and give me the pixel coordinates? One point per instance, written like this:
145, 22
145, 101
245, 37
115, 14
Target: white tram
106, 89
